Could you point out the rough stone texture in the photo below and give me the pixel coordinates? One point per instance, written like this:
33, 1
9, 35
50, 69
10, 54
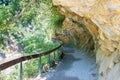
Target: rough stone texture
73, 33
101, 18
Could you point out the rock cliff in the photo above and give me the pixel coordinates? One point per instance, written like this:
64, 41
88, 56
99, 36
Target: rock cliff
94, 25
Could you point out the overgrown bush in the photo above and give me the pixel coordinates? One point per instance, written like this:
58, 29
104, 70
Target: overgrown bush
33, 30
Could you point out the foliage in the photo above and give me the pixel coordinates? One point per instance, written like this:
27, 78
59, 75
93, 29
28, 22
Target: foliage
37, 44
56, 18
33, 29
7, 13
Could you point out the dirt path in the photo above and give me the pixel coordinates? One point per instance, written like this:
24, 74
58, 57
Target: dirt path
74, 66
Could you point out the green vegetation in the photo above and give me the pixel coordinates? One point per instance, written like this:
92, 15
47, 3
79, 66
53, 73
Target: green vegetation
28, 25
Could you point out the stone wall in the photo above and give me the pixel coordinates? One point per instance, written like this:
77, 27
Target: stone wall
74, 32
95, 23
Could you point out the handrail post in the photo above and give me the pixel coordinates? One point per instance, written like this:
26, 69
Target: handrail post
57, 56
49, 60
19, 60
39, 66
20, 71
54, 56
60, 49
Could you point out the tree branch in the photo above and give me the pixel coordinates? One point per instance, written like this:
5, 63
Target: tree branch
17, 16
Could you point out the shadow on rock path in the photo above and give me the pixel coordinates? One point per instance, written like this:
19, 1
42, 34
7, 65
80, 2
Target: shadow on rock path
74, 66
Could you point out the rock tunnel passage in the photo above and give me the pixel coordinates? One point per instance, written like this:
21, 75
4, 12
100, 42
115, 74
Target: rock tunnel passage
74, 66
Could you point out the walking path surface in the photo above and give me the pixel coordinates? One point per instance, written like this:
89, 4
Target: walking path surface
74, 66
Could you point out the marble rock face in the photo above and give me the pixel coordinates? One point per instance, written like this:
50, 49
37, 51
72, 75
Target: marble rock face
99, 19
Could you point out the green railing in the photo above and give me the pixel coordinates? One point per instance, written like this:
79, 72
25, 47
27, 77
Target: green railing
19, 60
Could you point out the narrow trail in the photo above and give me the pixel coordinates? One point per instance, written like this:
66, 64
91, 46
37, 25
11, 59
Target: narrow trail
74, 66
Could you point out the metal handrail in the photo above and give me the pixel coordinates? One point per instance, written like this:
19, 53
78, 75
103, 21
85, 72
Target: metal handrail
10, 63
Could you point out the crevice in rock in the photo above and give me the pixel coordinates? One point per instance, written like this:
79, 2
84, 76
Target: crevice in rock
75, 32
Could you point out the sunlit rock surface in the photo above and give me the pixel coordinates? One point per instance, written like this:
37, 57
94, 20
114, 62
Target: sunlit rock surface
99, 19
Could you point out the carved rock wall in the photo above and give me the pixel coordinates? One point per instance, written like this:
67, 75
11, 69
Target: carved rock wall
99, 19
